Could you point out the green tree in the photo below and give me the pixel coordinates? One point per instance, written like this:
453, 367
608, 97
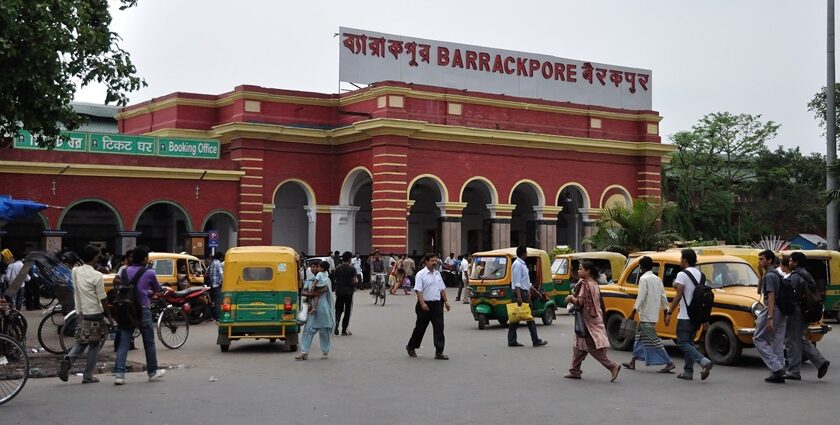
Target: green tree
709, 171
46, 47
817, 105
638, 228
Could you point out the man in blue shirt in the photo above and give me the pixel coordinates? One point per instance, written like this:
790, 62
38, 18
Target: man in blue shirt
520, 283
214, 273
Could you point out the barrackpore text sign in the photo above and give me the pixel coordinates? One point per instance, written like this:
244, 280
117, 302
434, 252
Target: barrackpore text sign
367, 57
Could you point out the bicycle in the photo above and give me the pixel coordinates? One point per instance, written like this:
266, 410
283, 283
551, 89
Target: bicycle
173, 324
378, 288
13, 324
50, 330
14, 368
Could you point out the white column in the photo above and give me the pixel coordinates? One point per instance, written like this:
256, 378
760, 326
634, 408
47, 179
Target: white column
343, 227
312, 216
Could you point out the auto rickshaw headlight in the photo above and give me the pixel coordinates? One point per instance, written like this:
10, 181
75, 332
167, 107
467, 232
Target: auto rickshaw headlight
756, 308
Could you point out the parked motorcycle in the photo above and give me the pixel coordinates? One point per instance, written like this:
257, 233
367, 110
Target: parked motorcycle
195, 301
451, 276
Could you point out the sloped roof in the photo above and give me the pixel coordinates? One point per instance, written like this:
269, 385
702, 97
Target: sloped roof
814, 239
95, 109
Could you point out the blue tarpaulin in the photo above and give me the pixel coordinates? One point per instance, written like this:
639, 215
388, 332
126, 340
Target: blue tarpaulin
15, 209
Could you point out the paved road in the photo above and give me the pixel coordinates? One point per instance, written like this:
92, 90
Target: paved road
370, 380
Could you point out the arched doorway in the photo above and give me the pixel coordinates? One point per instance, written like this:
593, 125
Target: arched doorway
570, 220
476, 229
523, 220
424, 227
90, 222
293, 219
351, 226
162, 226
24, 235
225, 223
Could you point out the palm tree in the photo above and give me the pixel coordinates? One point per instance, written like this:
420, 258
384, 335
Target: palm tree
636, 229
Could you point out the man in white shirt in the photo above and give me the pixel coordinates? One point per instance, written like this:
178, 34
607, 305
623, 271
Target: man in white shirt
649, 302
465, 280
13, 269
520, 283
685, 328
431, 300
92, 308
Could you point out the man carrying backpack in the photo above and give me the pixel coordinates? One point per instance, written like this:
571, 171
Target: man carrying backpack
796, 343
769, 337
685, 283
136, 312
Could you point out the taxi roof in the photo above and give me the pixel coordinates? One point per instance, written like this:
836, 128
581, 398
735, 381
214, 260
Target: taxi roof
816, 253
177, 256
675, 256
532, 252
597, 255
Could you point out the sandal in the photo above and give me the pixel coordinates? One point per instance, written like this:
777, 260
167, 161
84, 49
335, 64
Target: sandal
302, 356
628, 366
667, 369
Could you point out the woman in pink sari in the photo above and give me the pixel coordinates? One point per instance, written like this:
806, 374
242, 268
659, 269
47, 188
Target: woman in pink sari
587, 299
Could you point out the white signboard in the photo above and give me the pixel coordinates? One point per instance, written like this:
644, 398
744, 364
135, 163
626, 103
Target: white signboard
367, 57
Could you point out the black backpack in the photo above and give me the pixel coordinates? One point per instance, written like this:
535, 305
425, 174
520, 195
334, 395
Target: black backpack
786, 298
702, 299
810, 299
125, 304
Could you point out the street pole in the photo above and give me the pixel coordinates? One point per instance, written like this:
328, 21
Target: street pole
830, 133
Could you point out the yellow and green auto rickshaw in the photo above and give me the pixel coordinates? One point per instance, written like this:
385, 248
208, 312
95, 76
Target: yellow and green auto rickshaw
491, 290
260, 296
565, 266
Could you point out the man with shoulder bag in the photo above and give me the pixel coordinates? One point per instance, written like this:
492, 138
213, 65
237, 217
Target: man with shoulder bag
92, 307
689, 283
797, 345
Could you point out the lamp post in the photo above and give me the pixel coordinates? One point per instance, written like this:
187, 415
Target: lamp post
830, 132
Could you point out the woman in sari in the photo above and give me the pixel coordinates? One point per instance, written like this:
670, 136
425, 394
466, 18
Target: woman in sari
322, 320
587, 299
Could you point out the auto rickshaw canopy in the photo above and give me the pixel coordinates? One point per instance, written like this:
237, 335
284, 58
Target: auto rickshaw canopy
261, 268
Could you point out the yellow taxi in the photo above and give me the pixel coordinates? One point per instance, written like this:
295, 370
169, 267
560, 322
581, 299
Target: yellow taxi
171, 268
736, 306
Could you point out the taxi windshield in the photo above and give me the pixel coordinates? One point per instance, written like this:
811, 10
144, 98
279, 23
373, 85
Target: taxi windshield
560, 266
489, 268
721, 275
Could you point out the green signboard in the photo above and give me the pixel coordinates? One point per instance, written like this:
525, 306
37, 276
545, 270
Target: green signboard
205, 149
122, 144
77, 141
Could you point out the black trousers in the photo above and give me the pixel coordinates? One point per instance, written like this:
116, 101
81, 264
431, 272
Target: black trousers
343, 305
435, 316
532, 327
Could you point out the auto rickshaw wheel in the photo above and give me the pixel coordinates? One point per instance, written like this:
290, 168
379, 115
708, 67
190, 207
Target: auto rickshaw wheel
482, 321
503, 322
548, 316
225, 347
293, 348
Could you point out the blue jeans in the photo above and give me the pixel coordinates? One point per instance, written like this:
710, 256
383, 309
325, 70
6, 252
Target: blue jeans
147, 331
685, 342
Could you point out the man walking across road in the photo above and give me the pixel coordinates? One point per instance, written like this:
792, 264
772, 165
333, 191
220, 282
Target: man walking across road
769, 337
345, 286
685, 282
520, 283
431, 300
465, 280
796, 343
650, 301
92, 307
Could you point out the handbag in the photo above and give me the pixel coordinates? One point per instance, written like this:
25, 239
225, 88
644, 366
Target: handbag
303, 313
580, 325
627, 329
518, 313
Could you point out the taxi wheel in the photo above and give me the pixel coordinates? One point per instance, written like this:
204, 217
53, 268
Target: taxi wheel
613, 326
225, 347
272, 340
722, 346
482, 321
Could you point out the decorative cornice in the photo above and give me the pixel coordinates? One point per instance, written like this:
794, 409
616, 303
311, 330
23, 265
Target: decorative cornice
98, 170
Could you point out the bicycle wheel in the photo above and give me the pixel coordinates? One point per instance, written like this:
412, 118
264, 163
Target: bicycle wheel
14, 326
173, 327
14, 368
382, 293
67, 331
47, 294
49, 332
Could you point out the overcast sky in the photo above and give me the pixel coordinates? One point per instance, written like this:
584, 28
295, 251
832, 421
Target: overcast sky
758, 57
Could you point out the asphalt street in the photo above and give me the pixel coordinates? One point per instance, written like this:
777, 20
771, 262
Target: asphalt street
369, 379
